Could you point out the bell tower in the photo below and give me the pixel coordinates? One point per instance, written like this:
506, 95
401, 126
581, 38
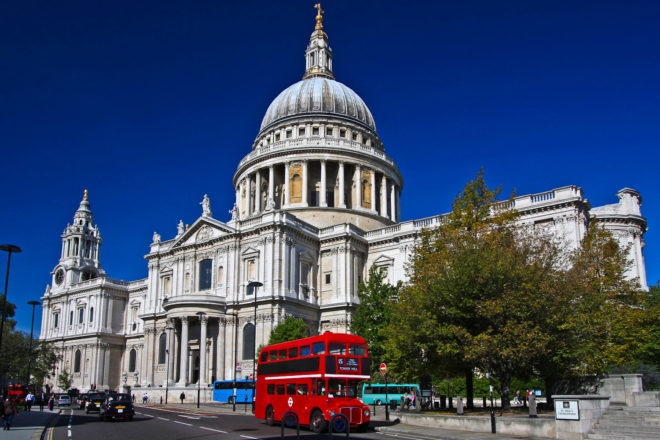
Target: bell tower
81, 245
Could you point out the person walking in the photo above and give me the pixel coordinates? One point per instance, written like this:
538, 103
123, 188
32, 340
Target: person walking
182, 396
51, 402
11, 409
29, 400
145, 398
42, 399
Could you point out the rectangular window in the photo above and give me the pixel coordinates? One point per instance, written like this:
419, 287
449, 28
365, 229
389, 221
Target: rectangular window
357, 350
336, 348
280, 390
342, 133
270, 389
328, 131
302, 389
318, 348
304, 351
56, 320
293, 352
315, 131
277, 136
289, 134
328, 278
301, 131
263, 357
281, 354
272, 356
355, 136
221, 274
91, 314
71, 317
291, 389
205, 274
81, 316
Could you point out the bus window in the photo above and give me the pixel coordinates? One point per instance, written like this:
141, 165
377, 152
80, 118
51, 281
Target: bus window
217, 385
302, 389
272, 356
357, 350
280, 389
293, 352
270, 389
337, 388
291, 389
318, 348
281, 354
352, 388
336, 349
263, 357
304, 350
320, 387
368, 390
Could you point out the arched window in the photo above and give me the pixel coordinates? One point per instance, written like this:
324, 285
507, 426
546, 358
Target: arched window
296, 188
131, 361
162, 347
248, 342
76, 362
91, 314
205, 271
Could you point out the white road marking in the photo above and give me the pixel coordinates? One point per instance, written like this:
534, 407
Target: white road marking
163, 418
69, 433
402, 436
138, 413
189, 417
214, 430
182, 423
247, 436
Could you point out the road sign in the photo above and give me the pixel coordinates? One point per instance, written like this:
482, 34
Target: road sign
383, 368
239, 368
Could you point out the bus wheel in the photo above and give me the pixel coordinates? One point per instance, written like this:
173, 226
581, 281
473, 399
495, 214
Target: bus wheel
379, 402
270, 416
231, 400
317, 422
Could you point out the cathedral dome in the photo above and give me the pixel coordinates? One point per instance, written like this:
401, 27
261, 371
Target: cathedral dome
318, 96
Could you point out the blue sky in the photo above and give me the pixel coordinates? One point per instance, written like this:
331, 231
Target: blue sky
152, 104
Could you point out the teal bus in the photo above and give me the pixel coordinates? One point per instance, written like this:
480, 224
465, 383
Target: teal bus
375, 392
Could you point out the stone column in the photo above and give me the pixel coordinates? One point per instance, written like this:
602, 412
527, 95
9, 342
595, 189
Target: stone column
322, 201
238, 199
248, 194
257, 193
373, 190
271, 185
358, 186
398, 204
241, 204
183, 368
287, 194
202, 349
305, 183
170, 349
340, 173
393, 203
383, 196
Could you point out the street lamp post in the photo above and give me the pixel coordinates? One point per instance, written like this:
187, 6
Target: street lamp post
199, 373
33, 304
9, 248
493, 428
235, 315
167, 352
252, 288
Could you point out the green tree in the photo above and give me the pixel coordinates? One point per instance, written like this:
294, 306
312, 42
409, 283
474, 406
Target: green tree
289, 330
373, 315
474, 281
64, 380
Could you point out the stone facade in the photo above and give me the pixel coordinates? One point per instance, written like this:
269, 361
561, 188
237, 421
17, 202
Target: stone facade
317, 204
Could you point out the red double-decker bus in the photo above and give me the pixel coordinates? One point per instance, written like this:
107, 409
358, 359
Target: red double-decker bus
316, 378
17, 392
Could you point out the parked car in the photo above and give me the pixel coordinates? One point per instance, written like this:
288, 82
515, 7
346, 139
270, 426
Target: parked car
93, 404
117, 406
63, 400
82, 399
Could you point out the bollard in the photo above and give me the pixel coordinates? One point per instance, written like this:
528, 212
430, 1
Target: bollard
161, 400
459, 405
485, 403
345, 419
532, 406
285, 421
436, 405
443, 401
450, 400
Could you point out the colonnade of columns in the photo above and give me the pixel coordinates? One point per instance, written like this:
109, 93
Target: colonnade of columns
293, 183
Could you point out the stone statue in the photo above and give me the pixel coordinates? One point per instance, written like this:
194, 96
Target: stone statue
206, 207
156, 237
179, 228
270, 204
234, 212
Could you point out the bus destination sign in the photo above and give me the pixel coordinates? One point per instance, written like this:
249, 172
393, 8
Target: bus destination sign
348, 364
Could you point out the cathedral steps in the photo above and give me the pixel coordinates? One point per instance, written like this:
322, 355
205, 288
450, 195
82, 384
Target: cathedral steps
625, 423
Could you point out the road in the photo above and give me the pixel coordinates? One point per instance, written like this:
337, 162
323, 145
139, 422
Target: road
158, 424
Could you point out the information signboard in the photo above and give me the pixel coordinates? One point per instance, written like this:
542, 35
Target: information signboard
567, 410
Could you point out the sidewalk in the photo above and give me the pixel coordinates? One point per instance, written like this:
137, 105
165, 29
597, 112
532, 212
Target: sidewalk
29, 425
378, 423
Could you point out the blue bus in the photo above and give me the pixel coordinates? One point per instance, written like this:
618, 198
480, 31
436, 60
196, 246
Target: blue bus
375, 392
223, 391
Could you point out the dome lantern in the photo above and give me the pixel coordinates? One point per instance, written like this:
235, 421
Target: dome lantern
318, 56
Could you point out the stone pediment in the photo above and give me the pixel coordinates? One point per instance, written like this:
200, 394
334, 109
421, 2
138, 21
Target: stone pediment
383, 260
202, 231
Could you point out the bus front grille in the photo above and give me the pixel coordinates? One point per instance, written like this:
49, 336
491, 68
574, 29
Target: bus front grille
353, 413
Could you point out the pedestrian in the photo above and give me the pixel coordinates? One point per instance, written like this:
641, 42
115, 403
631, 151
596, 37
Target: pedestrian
526, 396
29, 400
51, 402
133, 398
182, 396
11, 409
2, 412
145, 398
42, 399
517, 398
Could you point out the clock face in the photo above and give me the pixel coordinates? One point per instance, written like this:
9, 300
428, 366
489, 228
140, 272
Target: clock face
59, 277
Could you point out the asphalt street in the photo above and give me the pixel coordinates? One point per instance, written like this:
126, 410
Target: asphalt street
160, 424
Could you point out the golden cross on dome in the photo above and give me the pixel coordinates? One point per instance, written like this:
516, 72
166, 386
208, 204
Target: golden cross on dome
319, 17
85, 196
